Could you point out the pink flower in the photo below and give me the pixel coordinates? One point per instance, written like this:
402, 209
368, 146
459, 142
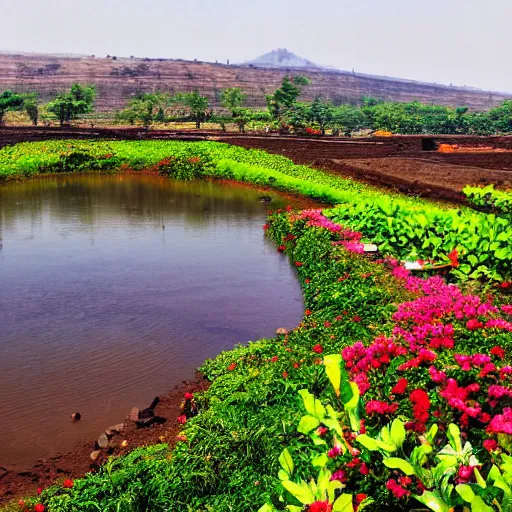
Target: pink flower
339, 475
474, 324
181, 419
376, 407
465, 474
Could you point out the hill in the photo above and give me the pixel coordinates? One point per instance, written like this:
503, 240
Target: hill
282, 58
117, 79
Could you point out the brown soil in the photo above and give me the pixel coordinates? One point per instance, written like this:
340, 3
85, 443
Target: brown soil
397, 162
18, 482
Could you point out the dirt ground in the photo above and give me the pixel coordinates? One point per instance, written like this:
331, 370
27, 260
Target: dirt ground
23, 481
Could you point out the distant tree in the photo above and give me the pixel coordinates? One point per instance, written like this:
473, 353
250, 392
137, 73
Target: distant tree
196, 105
321, 113
160, 115
9, 101
145, 108
348, 119
234, 99
283, 100
78, 101
31, 107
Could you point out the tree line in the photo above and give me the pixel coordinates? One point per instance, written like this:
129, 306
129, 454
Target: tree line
284, 112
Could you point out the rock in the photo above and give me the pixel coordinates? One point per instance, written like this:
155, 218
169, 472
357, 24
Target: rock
114, 429
94, 455
103, 440
134, 414
281, 330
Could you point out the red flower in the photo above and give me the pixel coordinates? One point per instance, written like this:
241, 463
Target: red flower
39, 490
360, 497
181, 419
363, 469
491, 445
307, 281
421, 405
39, 508
356, 319
400, 387
474, 324
265, 227
506, 285
275, 359
318, 349
189, 396
281, 248
231, 367
21, 503
67, 484
320, 506
285, 375
453, 257
299, 263
498, 352
308, 312
296, 365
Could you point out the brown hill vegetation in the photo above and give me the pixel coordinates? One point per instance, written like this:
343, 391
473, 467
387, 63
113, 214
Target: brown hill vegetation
117, 79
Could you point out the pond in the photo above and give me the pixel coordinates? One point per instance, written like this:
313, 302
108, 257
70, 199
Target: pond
113, 289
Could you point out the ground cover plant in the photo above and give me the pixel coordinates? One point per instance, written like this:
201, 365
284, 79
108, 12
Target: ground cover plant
393, 393
474, 244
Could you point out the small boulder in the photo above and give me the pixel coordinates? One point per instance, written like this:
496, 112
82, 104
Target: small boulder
114, 429
134, 414
103, 440
94, 455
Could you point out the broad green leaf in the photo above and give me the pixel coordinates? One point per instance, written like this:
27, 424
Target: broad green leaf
453, 434
302, 492
352, 403
479, 505
433, 502
324, 477
465, 492
431, 434
332, 368
320, 461
283, 475
294, 508
479, 479
343, 504
311, 404
397, 432
368, 442
266, 508
397, 463
307, 424
333, 486
286, 461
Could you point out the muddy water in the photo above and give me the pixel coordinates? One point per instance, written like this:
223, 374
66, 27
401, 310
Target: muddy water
113, 289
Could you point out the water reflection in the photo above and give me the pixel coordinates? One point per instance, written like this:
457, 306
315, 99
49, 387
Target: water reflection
115, 288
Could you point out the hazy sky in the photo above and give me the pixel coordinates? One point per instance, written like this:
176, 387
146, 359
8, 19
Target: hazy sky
464, 42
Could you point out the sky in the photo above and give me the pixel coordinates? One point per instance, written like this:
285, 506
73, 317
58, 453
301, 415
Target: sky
463, 42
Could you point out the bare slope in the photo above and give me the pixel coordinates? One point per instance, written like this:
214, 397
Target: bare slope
118, 79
